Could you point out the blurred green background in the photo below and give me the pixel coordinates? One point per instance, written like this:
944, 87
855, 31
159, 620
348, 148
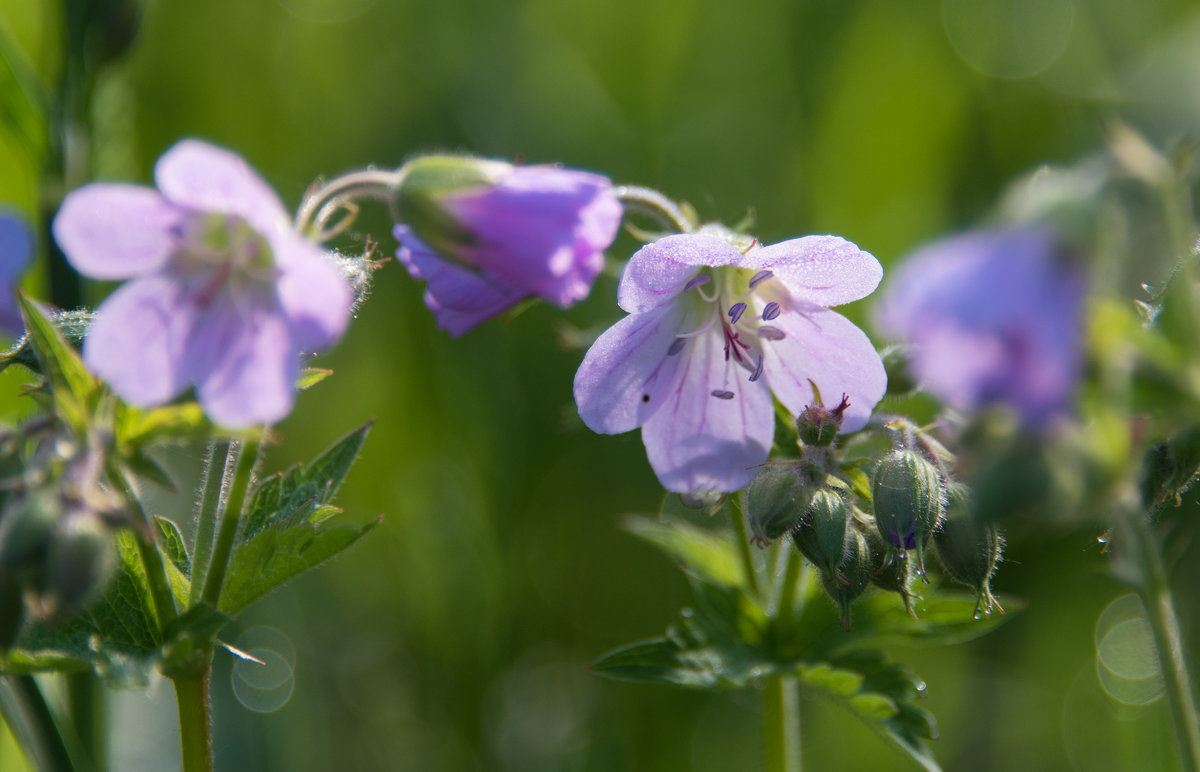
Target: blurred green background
457, 636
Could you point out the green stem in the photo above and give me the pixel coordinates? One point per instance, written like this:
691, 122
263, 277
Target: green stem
216, 474
195, 720
152, 562
49, 748
1155, 591
223, 547
781, 724
85, 706
650, 202
742, 531
786, 611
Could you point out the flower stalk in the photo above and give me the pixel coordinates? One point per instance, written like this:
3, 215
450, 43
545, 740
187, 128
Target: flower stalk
223, 547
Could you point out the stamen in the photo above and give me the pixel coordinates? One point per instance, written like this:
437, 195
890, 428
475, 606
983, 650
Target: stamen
759, 278
767, 332
697, 281
771, 311
703, 329
736, 311
722, 394
757, 370
676, 346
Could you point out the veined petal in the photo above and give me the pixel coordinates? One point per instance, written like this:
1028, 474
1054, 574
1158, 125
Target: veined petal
697, 441
658, 271
113, 231
206, 178
824, 346
138, 340
825, 270
244, 362
459, 299
312, 292
627, 373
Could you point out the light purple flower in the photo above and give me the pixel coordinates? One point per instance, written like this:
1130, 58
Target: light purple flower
994, 316
712, 332
16, 249
223, 293
533, 231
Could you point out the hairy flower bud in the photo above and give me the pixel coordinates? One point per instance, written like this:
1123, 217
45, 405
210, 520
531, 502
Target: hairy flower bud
852, 577
907, 494
889, 571
969, 548
775, 501
818, 425
823, 535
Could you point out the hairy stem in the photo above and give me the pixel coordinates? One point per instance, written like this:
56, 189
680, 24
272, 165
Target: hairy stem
223, 548
653, 204
217, 471
195, 720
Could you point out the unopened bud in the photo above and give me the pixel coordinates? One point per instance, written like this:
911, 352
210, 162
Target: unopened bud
775, 501
853, 575
26, 527
818, 425
969, 548
79, 562
907, 494
823, 535
889, 571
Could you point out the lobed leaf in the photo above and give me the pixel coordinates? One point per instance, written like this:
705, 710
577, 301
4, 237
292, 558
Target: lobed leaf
698, 551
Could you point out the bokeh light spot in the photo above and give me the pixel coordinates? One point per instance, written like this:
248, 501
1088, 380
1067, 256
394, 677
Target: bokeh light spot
1009, 38
266, 685
1126, 662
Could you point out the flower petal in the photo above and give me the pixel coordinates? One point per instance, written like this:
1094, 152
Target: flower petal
459, 299
824, 270
112, 231
138, 340
826, 347
659, 270
696, 441
627, 373
206, 178
312, 292
244, 362
16, 245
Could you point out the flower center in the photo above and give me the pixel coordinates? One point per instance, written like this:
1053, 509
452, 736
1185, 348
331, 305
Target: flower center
223, 250
744, 303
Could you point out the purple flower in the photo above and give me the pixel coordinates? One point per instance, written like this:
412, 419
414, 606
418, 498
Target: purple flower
224, 294
16, 249
509, 233
712, 333
994, 316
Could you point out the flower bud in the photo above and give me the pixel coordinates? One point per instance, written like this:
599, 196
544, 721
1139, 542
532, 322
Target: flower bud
969, 548
852, 577
907, 494
889, 571
823, 535
79, 562
26, 528
818, 425
775, 501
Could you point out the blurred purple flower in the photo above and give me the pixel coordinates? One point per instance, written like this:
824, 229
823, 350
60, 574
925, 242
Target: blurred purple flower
712, 332
16, 249
536, 231
224, 294
994, 316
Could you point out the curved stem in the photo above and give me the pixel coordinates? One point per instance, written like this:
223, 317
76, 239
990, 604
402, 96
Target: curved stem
195, 720
650, 202
223, 547
320, 205
781, 724
1155, 591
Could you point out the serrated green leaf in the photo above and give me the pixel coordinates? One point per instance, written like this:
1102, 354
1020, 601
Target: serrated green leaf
275, 555
874, 706
842, 683
137, 427
173, 545
943, 618
658, 661
700, 552
311, 376
73, 387
296, 495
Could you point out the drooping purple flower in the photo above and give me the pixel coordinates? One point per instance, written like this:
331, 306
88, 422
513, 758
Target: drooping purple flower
712, 333
994, 316
16, 249
223, 293
500, 233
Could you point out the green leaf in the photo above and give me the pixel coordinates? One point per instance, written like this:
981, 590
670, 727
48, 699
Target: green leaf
73, 326
279, 553
700, 552
311, 376
173, 545
137, 427
74, 388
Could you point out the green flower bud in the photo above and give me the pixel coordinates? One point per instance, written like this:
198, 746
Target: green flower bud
852, 577
823, 535
889, 571
907, 494
79, 562
775, 501
969, 548
26, 528
818, 425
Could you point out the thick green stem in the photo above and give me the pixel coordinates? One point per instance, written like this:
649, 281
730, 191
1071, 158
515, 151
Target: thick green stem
742, 531
786, 611
223, 547
781, 724
195, 721
1155, 590
216, 473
